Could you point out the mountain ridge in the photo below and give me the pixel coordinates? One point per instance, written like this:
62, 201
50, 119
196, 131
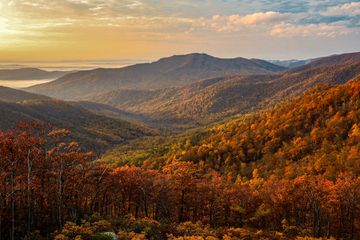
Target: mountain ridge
224, 96
177, 70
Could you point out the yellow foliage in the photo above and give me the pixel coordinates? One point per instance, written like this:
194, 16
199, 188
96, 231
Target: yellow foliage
71, 229
61, 237
101, 226
194, 229
137, 236
190, 238
313, 238
123, 235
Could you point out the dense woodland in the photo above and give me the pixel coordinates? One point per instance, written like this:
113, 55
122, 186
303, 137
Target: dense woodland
288, 172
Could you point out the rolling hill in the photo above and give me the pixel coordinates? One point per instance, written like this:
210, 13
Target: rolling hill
213, 99
167, 72
30, 74
92, 130
13, 95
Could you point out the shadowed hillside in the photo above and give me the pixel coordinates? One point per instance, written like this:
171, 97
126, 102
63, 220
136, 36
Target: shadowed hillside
94, 131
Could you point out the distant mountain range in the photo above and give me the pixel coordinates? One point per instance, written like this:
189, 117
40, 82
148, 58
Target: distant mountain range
213, 99
167, 72
290, 63
30, 74
110, 105
92, 130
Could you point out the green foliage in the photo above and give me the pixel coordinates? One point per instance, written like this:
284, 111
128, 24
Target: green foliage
139, 151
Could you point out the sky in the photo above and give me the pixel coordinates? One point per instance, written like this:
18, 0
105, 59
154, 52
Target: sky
59, 30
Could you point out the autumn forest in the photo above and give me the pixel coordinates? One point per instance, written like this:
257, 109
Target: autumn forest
179, 120
289, 171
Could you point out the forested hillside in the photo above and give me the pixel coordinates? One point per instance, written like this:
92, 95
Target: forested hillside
316, 133
288, 172
95, 132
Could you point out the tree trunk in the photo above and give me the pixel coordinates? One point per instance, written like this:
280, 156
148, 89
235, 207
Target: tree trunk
181, 213
29, 170
1, 201
60, 193
12, 179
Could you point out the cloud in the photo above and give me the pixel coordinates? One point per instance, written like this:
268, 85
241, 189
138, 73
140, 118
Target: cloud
4, 26
80, 25
235, 23
262, 17
134, 15
347, 9
320, 30
332, 21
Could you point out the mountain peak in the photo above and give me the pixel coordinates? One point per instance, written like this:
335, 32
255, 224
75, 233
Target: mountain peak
189, 56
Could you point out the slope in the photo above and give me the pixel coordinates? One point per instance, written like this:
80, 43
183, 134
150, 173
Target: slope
316, 133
